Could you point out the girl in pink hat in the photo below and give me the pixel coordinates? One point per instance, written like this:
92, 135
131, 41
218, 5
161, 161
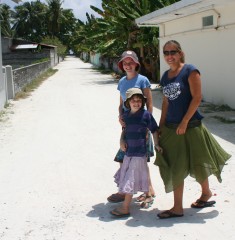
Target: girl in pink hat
129, 63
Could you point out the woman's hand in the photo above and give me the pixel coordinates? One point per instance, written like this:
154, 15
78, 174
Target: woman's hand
121, 121
181, 129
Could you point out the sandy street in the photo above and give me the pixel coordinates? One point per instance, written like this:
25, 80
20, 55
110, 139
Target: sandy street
56, 168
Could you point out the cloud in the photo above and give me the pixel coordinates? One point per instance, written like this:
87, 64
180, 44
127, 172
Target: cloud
79, 7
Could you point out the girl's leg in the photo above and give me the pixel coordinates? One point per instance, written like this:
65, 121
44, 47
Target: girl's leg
127, 202
151, 193
116, 197
151, 190
124, 209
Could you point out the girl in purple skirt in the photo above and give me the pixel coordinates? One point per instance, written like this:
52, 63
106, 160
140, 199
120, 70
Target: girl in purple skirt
133, 175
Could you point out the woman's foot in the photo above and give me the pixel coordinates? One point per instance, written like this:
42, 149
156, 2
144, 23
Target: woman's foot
203, 202
169, 214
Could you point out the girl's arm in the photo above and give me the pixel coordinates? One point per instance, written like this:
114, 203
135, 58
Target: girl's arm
195, 89
148, 94
156, 141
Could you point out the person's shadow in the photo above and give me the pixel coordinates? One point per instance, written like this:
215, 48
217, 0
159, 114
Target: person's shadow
148, 217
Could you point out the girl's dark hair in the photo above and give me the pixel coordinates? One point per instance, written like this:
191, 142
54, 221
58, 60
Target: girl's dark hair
178, 47
136, 95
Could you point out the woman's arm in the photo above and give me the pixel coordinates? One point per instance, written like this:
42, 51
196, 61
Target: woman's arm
195, 89
148, 94
164, 111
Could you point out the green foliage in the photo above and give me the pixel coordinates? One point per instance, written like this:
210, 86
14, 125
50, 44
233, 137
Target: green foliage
111, 34
61, 49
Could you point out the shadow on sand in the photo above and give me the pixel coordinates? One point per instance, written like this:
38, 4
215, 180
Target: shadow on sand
148, 218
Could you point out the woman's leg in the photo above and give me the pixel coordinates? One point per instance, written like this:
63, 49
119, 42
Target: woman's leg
177, 209
203, 202
178, 199
206, 192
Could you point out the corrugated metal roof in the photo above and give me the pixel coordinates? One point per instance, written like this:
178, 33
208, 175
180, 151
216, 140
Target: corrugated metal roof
24, 46
178, 10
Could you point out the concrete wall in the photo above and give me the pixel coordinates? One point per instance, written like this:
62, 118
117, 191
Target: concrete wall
2, 80
107, 63
210, 49
24, 75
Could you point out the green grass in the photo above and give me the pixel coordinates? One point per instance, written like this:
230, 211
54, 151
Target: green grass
224, 120
217, 108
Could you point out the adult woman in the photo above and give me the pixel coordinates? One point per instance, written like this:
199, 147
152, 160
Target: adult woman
188, 147
129, 63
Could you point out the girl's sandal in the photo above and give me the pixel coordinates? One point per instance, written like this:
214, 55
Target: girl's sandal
147, 203
143, 197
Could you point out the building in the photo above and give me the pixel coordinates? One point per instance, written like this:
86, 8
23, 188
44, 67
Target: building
2, 84
206, 32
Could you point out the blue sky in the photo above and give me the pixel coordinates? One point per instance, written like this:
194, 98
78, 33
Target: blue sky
79, 7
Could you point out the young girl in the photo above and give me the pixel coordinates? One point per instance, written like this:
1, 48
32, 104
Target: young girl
133, 175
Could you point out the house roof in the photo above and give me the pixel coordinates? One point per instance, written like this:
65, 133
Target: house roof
24, 46
30, 46
178, 10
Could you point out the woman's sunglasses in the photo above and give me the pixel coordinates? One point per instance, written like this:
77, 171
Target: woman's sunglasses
172, 53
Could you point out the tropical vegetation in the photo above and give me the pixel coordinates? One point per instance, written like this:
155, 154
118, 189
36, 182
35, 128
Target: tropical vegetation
110, 34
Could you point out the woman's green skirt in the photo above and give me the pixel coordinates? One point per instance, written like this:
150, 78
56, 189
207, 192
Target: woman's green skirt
196, 153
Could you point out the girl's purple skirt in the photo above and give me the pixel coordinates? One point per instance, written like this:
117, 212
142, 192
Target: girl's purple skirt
132, 176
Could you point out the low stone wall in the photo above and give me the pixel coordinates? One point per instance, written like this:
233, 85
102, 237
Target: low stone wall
24, 75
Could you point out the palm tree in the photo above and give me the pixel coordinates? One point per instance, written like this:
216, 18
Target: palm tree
54, 16
117, 31
5, 18
30, 21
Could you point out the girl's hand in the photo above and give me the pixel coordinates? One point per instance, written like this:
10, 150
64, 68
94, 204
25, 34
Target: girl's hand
123, 146
158, 148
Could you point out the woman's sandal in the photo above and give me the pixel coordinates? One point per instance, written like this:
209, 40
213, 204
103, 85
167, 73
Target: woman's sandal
147, 203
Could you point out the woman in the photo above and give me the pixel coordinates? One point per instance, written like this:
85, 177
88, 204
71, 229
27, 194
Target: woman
188, 147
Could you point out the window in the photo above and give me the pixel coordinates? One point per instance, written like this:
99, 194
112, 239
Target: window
207, 21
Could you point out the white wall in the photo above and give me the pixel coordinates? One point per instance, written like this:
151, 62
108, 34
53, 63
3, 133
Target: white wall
211, 50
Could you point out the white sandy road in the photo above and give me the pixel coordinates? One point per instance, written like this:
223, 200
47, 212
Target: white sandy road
56, 168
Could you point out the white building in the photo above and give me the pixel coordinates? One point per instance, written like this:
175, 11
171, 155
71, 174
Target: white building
206, 31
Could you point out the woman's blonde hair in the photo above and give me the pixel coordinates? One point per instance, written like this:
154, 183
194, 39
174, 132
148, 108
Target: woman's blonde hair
178, 47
